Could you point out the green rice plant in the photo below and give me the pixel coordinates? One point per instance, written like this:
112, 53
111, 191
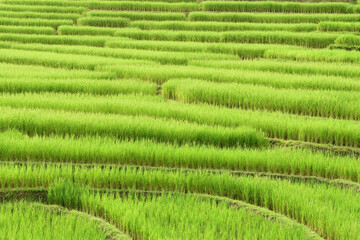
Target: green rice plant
113, 5
161, 74
274, 124
97, 41
316, 1
348, 39
143, 6
93, 150
338, 27
217, 26
66, 193
27, 30
161, 57
284, 66
241, 50
166, 1
271, 17
39, 15
13, 71
45, 9
98, 87
282, 7
347, 42
42, 122
34, 22
302, 102
46, 3
91, 31
23, 220
332, 211
315, 40
344, 47
315, 55
282, 197
151, 16
175, 216
58, 60
103, 22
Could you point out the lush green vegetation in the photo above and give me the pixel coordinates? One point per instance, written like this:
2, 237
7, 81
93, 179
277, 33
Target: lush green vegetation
316, 40
282, 7
187, 213
90, 150
54, 23
22, 220
103, 22
271, 18
217, 26
348, 72
179, 119
302, 102
125, 127
153, 16
283, 197
318, 130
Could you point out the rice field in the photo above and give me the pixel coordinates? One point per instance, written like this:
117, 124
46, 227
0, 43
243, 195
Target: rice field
179, 119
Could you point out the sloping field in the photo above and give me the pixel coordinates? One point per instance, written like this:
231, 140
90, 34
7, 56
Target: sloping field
179, 119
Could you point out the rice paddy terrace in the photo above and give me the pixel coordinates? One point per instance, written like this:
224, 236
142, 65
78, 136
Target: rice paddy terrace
179, 119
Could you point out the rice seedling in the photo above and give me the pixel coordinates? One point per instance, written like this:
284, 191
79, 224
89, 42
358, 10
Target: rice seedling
166, 1
143, 6
302, 102
273, 124
85, 30
180, 58
33, 121
293, 67
113, 5
180, 119
94, 150
97, 41
189, 213
59, 60
54, 23
67, 194
344, 47
161, 74
282, 7
348, 39
39, 15
103, 22
315, 1
245, 51
318, 55
347, 42
338, 27
310, 204
13, 71
315, 40
27, 30
151, 16
98, 87
23, 220
217, 26
42, 9
271, 17
241, 50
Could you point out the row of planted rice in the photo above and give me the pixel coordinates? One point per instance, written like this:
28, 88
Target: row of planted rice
179, 119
